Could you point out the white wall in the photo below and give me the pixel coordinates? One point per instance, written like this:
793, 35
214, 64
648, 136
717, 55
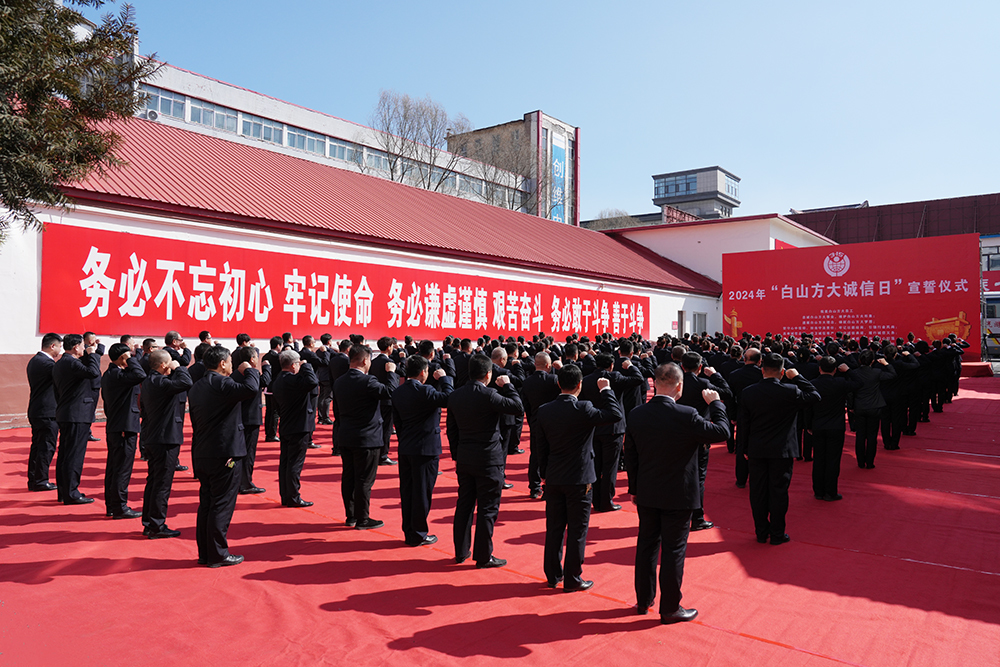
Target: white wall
20, 287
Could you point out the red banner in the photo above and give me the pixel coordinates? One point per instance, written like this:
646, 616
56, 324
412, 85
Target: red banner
112, 282
928, 286
991, 281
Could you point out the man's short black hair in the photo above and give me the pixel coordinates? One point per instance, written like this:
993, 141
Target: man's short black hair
276, 342
604, 361
570, 376
117, 350
479, 366
691, 361
415, 365
50, 338
242, 354
426, 348
828, 364
772, 361
358, 353
204, 335
242, 338
199, 351
384, 343
325, 339
71, 340
214, 355
123, 338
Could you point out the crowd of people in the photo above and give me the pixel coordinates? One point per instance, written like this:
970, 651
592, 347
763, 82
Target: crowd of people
587, 405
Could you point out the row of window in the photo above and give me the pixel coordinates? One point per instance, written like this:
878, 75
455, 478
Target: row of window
230, 120
675, 185
732, 187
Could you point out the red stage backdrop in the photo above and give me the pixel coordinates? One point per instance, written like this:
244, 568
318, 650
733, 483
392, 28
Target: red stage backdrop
113, 283
929, 286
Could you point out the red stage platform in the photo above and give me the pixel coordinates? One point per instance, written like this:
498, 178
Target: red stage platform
904, 571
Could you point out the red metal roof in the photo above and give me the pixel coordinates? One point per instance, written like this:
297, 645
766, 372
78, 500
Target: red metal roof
177, 171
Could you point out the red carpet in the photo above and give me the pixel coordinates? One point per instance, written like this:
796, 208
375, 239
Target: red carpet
904, 571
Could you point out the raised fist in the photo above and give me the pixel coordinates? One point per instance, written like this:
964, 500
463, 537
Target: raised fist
503, 380
446, 356
843, 368
709, 395
244, 366
627, 364
709, 371
603, 383
173, 364
439, 373
791, 373
390, 367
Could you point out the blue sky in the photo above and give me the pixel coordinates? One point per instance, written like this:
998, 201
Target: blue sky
810, 104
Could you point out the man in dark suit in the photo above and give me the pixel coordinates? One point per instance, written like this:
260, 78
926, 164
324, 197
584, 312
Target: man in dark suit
538, 389
323, 373
42, 413
661, 457
178, 350
566, 462
767, 438
120, 389
461, 360
378, 368
250, 414
217, 447
741, 378
608, 437
339, 365
632, 396
357, 397
416, 411
161, 411
474, 414
697, 378
315, 357
824, 421
271, 413
90, 339
508, 422
71, 381
294, 390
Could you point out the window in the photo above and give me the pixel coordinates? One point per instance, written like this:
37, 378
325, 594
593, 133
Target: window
306, 140
376, 159
700, 322
471, 185
344, 150
675, 185
164, 102
262, 128
732, 187
212, 115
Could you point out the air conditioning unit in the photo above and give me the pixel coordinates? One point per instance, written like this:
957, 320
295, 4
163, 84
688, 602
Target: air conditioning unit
151, 115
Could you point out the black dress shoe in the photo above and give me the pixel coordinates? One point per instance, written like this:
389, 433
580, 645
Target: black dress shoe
271, 440
516, 451
679, 616
129, 513
252, 490
536, 494
298, 503
227, 561
45, 486
351, 522
461, 559
508, 485
164, 533
909, 432
180, 468
702, 525
336, 452
780, 540
386, 461
492, 562
807, 458
741, 486
870, 466
202, 561
833, 497
430, 539
93, 439
368, 524
313, 445
584, 586
761, 540
553, 584
641, 609
82, 500
819, 496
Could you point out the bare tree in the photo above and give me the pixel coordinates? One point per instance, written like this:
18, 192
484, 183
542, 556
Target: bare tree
411, 138
612, 218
